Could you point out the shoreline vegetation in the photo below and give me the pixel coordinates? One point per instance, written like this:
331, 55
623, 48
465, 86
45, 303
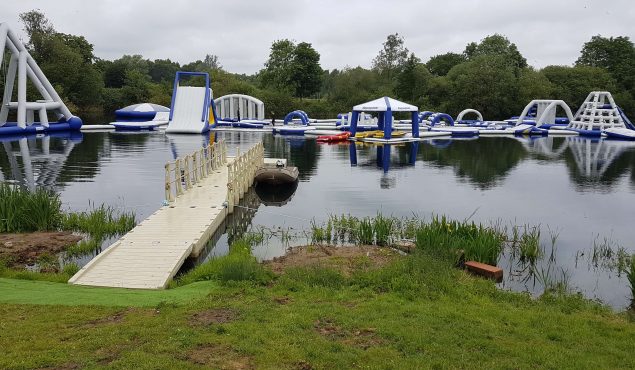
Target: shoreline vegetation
40, 240
373, 307
348, 299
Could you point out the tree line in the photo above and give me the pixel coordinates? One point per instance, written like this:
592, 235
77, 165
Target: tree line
491, 76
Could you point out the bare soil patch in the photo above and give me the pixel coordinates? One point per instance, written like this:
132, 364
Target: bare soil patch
362, 338
345, 259
25, 248
219, 357
213, 316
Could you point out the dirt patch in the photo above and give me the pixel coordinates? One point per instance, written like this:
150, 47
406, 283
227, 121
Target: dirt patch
115, 318
219, 357
282, 300
344, 259
361, 338
67, 366
24, 249
213, 316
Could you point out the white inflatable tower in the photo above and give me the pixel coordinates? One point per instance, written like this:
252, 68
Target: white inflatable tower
22, 65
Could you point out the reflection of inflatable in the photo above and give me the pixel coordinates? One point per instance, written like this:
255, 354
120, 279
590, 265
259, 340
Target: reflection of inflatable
24, 67
276, 195
42, 160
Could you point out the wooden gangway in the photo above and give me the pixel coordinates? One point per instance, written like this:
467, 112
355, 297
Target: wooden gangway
201, 189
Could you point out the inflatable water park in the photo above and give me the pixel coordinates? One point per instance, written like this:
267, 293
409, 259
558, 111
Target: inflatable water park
194, 110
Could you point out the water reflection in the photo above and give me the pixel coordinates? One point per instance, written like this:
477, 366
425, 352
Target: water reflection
37, 161
275, 195
301, 152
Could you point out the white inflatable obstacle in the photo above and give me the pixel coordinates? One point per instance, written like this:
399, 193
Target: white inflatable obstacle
191, 106
239, 107
23, 66
545, 112
598, 112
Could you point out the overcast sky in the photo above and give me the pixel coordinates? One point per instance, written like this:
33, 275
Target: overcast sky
345, 33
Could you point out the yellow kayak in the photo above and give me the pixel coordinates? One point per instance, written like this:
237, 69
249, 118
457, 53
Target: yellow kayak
395, 134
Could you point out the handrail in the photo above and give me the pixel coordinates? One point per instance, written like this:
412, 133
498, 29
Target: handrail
185, 172
241, 172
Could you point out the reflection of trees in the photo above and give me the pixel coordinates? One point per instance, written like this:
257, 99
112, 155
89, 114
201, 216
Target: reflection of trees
302, 153
484, 162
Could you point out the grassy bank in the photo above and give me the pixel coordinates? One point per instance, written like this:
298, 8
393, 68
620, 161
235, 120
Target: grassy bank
417, 311
25, 214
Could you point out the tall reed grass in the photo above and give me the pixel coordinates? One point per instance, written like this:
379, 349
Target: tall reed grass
25, 211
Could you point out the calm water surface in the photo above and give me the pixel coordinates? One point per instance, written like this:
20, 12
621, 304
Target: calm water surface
582, 190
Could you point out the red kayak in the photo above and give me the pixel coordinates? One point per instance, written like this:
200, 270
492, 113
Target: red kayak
333, 138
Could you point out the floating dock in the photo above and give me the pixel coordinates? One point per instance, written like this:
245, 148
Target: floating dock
201, 190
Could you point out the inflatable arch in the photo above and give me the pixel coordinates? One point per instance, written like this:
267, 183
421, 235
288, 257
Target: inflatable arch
233, 107
545, 112
479, 116
436, 118
301, 115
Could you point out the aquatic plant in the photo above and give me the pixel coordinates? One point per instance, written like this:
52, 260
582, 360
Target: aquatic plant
383, 228
24, 211
317, 233
630, 275
529, 245
83, 247
364, 233
552, 280
447, 237
100, 223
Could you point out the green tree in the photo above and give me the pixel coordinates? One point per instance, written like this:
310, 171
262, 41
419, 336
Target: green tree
306, 73
412, 82
616, 55
211, 62
67, 60
391, 57
496, 45
440, 65
162, 70
573, 84
486, 83
279, 67
37, 28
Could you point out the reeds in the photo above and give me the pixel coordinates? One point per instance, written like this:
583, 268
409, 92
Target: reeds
630, 275
100, 223
25, 211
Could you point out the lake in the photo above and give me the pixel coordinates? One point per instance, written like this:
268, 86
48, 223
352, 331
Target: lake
579, 189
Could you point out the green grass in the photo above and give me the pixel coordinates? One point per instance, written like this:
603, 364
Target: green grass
34, 292
416, 312
630, 275
25, 211
237, 265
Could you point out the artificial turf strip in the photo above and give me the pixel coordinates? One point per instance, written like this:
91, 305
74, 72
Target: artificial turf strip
49, 293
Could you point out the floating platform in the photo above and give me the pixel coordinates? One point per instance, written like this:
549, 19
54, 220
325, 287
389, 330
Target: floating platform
151, 254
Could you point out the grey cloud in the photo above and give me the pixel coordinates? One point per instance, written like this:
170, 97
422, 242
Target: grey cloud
345, 33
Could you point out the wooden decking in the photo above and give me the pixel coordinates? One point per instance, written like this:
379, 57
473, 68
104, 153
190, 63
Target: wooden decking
199, 198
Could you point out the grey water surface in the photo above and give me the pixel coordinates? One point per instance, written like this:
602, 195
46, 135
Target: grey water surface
579, 189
